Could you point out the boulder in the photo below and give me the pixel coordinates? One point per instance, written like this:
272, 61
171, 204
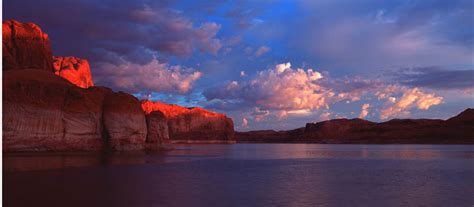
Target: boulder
124, 121
25, 46
73, 69
192, 123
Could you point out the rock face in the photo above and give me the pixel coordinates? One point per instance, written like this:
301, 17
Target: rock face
65, 112
457, 130
124, 122
192, 123
73, 69
25, 46
43, 112
157, 126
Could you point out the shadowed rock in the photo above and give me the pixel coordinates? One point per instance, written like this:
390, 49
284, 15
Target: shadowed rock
459, 129
124, 122
157, 126
43, 112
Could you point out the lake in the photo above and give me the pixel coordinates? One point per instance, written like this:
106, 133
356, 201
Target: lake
246, 175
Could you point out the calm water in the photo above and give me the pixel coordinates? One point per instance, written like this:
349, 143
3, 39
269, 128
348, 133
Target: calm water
247, 175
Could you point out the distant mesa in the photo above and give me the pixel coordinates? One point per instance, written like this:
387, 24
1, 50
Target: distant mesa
467, 117
456, 130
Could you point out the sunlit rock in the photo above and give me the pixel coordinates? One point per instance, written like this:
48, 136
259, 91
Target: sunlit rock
75, 70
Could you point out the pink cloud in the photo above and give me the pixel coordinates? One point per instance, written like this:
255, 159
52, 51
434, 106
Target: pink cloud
411, 98
152, 77
262, 50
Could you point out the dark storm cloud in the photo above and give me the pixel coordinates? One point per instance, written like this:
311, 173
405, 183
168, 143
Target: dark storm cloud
125, 41
126, 28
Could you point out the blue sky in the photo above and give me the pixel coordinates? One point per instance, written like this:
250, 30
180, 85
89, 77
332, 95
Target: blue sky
376, 60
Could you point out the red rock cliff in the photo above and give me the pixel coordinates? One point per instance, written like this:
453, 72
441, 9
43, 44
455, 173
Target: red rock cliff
43, 112
75, 70
47, 112
192, 123
25, 46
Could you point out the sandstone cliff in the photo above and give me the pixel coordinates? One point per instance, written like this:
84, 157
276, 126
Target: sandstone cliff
25, 46
192, 123
73, 69
61, 110
43, 112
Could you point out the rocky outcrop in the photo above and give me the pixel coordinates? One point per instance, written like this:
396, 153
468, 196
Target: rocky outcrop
459, 129
73, 69
124, 121
43, 112
192, 123
25, 46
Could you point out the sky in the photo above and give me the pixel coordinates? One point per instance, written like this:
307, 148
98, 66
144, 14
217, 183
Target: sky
273, 64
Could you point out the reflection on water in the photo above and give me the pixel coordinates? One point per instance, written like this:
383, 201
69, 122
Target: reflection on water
43, 161
246, 175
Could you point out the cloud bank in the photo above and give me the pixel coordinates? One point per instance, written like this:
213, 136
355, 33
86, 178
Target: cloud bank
283, 91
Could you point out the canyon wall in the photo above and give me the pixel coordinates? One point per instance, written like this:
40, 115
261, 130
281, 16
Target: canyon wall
51, 104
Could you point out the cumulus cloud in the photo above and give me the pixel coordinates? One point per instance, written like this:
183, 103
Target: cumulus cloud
279, 88
284, 91
411, 98
261, 51
364, 111
152, 77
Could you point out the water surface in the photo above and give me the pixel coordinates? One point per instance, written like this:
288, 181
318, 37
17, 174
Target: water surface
246, 175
